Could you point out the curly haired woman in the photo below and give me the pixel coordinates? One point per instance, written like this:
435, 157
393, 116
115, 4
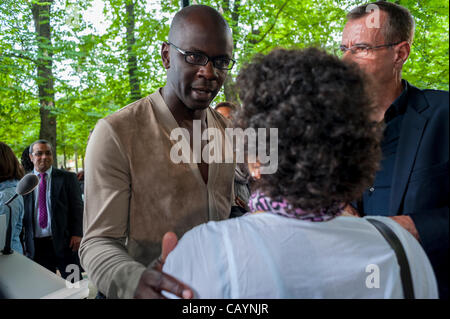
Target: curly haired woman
303, 244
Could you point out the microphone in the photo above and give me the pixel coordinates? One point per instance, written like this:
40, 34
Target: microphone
21, 277
25, 186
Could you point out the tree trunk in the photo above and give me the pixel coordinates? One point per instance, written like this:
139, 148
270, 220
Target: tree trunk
135, 90
229, 90
64, 157
76, 162
229, 87
45, 80
63, 138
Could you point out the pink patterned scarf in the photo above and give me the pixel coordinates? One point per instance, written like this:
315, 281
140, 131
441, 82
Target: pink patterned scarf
259, 203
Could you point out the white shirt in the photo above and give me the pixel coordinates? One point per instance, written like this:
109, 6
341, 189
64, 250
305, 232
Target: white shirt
270, 256
38, 231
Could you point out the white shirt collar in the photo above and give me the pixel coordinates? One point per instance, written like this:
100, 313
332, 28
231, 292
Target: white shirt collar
49, 171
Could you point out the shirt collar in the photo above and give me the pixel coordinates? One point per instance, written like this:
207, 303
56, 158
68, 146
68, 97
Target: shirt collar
49, 171
398, 107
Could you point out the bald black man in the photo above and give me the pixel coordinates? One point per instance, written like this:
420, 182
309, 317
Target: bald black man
134, 191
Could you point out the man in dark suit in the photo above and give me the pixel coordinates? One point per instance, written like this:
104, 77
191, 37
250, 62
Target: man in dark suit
412, 185
53, 215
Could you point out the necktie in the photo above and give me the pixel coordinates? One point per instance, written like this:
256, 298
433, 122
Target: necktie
42, 200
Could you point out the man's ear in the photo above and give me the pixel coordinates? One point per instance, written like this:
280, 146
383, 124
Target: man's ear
165, 55
402, 53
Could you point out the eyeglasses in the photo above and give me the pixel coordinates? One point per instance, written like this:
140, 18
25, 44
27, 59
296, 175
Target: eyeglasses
39, 153
362, 50
197, 58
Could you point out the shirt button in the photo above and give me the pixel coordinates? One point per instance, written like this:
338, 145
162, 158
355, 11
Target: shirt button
371, 189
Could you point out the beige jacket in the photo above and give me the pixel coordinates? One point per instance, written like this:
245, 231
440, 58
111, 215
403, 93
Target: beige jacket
134, 193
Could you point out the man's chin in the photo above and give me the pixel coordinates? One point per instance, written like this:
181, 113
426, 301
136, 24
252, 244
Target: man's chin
198, 104
44, 168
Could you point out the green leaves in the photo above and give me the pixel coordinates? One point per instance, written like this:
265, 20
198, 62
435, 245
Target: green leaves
427, 66
91, 79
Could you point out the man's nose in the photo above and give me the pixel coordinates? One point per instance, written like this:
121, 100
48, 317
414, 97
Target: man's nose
208, 71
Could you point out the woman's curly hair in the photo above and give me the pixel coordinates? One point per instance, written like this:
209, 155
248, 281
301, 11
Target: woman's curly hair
328, 146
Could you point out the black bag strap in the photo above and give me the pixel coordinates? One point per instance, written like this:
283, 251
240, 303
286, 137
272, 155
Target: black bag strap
394, 242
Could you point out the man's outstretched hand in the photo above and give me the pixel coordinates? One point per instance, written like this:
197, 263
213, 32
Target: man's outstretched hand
153, 280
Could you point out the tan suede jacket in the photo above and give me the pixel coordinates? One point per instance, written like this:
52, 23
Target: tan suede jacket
135, 193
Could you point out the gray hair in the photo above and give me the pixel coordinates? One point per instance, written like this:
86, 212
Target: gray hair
399, 25
39, 142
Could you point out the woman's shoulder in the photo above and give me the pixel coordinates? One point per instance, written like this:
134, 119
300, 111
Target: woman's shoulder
7, 190
8, 186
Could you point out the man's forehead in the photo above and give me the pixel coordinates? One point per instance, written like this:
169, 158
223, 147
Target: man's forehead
223, 108
362, 31
196, 39
38, 146
193, 37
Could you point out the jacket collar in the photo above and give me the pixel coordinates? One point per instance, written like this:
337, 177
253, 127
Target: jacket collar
410, 138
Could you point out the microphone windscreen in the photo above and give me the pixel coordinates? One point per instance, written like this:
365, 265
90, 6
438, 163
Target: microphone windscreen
27, 184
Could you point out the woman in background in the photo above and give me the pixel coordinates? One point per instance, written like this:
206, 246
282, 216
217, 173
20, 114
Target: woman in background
10, 174
25, 160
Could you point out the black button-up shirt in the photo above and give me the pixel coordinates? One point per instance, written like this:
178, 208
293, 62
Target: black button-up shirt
376, 198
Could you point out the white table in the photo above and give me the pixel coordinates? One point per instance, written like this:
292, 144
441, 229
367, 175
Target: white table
22, 278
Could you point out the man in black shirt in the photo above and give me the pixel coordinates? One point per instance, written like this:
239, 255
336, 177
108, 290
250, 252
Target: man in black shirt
412, 185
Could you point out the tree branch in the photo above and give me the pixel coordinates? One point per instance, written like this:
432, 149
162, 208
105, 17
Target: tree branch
18, 56
234, 14
335, 18
273, 25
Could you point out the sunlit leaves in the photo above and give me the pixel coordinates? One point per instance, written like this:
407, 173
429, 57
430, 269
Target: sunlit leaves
90, 67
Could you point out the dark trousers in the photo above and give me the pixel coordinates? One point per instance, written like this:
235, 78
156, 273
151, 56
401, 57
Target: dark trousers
45, 256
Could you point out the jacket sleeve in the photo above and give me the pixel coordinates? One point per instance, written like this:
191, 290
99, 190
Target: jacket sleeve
107, 194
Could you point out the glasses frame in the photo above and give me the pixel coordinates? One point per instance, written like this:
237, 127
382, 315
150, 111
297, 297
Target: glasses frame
40, 154
213, 60
344, 49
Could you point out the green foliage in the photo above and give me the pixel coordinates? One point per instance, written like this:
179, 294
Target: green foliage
90, 67
428, 64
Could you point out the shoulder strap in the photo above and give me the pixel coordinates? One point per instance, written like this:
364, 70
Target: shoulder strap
394, 242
